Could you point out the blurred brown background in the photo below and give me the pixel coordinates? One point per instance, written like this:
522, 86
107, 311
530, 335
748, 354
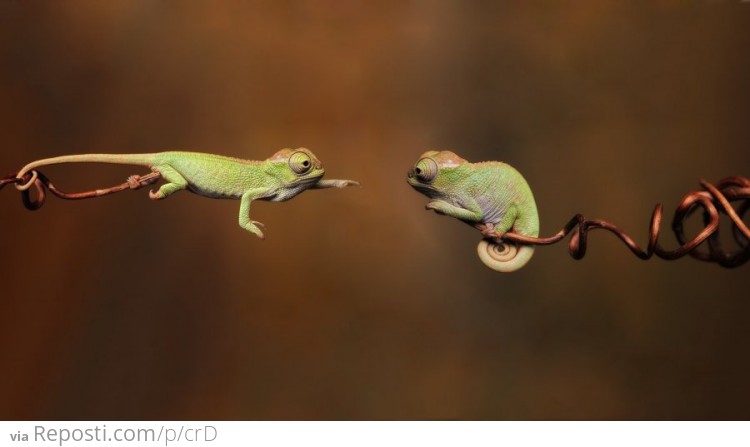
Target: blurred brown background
360, 304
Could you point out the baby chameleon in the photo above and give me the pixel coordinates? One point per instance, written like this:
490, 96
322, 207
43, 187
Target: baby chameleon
278, 178
490, 196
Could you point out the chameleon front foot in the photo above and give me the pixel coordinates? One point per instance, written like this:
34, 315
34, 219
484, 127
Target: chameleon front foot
254, 227
334, 183
442, 208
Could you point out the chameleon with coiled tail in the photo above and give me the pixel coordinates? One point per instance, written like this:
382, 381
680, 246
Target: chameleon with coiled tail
491, 196
278, 178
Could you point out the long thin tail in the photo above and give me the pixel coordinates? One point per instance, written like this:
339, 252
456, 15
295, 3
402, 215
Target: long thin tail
127, 159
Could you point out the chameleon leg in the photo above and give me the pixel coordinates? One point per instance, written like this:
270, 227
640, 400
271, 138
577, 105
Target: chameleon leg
442, 207
175, 182
334, 183
506, 224
252, 226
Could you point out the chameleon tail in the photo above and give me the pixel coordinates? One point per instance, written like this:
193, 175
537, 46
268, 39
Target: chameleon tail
505, 257
128, 159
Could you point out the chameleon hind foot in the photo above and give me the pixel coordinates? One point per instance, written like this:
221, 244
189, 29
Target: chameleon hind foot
139, 181
166, 191
134, 181
488, 231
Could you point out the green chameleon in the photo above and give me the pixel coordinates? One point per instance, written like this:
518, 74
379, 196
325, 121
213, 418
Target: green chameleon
490, 196
278, 178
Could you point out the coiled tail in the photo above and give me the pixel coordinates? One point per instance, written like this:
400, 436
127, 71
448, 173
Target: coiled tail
504, 257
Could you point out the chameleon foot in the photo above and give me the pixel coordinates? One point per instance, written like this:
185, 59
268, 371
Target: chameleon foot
488, 231
434, 205
134, 181
254, 227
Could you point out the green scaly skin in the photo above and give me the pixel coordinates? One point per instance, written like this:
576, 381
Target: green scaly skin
490, 196
278, 178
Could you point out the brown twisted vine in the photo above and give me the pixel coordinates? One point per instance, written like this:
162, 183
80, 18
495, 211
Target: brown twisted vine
42, 184
713, 200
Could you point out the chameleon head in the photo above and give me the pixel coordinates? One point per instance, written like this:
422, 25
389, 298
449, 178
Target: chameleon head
296, 166
433, 173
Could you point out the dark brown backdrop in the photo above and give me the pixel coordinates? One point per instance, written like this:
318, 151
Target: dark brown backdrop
360, 304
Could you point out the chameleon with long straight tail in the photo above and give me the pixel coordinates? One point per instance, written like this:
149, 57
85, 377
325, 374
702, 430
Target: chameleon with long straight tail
491, 196
278, 178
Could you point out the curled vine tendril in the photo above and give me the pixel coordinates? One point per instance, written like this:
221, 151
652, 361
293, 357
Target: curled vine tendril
712, 199
42, 184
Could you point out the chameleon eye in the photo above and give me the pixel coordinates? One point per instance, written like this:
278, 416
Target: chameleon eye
426, 170
300, 163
